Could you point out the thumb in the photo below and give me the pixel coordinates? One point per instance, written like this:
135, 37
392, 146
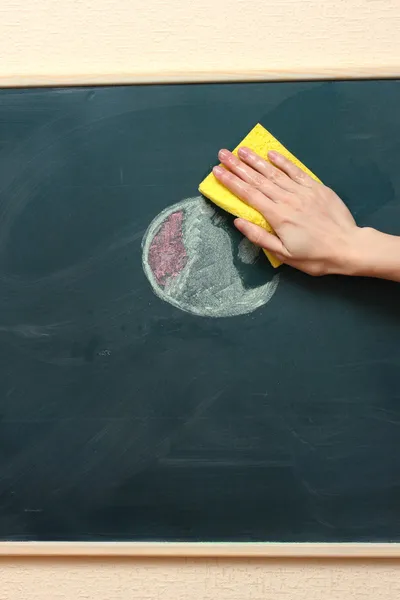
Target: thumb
260, 237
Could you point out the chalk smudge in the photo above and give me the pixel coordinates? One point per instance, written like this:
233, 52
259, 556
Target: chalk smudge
167, 254
248, 252
188, 259
29, 331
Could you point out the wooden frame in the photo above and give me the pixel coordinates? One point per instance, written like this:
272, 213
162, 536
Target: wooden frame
27, 549
199, 550
326, 73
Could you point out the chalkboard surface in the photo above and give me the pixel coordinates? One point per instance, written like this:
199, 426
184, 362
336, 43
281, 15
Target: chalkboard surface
158, 380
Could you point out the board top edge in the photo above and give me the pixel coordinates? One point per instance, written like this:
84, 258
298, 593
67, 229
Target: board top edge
171, 77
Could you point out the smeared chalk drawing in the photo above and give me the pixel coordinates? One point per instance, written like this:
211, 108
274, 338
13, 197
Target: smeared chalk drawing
188, 258
167, 254
248, 252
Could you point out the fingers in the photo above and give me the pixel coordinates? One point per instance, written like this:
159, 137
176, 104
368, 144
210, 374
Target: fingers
260, 237
266, 169
257, 179
293, 171
249, 194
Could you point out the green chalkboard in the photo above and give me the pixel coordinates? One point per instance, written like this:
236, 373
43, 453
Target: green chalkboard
158, 379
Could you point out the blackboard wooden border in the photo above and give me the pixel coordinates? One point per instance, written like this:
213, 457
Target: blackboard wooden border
172, 77
199, 550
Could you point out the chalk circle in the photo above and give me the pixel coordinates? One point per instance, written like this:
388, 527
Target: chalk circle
191, 261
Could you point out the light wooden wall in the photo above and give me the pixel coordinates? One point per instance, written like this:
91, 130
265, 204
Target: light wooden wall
97, 39
200, 580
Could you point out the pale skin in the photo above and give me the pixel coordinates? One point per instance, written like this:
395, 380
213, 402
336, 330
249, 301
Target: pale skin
315, 231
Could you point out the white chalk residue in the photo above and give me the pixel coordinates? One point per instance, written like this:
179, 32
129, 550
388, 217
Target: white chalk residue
209, 284
248, 252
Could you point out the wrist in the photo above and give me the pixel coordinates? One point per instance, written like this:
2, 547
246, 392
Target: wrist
368, 253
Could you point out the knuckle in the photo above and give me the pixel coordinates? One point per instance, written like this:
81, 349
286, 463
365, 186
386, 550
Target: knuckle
257, 180
247, 192
286, 199
325, 189
285, 218
300, 176
315, 270
253, 235
256, 239
275, 176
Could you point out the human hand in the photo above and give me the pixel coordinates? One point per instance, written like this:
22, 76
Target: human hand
315, 231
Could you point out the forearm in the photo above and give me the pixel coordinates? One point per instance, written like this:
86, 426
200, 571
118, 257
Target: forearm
376, 254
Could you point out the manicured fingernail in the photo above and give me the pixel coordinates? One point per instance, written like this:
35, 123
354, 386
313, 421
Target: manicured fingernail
218, 171
244, 152
223, 154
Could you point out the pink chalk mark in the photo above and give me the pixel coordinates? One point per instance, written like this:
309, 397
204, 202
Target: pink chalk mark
167, 254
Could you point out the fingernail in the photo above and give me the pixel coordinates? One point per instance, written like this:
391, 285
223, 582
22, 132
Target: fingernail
273, 154
223, 154
244, 152
218, 171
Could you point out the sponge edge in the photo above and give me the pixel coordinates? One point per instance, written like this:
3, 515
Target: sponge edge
260, 141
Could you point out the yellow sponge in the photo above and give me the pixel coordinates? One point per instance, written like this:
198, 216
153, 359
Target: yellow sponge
260, 141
